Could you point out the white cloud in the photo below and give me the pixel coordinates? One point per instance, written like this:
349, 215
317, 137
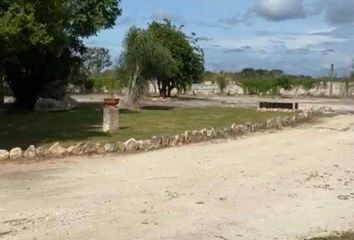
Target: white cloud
279, 10
340, 11
268, 42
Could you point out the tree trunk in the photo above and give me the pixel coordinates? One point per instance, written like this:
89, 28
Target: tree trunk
2, 90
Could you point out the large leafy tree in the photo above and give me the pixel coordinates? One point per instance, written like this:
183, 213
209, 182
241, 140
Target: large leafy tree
143, 59
41, 42
189, 57
96, 59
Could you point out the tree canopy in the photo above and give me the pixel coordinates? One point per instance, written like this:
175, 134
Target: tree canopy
41, 41
143, 58
188, 56
161, 52
96, 59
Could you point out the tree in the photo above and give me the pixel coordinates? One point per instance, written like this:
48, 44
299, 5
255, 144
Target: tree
189, 57
42, 41
2, 89
96, 59
143, 59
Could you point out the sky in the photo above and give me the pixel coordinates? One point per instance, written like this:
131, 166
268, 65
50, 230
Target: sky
297, 36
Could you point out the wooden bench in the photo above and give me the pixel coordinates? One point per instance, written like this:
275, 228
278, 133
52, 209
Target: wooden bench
279, 105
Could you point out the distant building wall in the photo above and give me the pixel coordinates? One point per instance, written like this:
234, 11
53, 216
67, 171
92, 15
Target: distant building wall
322, 89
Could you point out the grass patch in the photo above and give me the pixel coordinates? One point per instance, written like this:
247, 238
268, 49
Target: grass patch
84, 124
344, 236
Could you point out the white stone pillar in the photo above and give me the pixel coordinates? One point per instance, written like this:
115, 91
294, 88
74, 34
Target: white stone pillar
110, 119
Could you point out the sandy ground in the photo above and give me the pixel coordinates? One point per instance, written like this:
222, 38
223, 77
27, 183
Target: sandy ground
282, 185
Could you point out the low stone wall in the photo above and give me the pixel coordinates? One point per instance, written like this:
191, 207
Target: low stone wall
156, 142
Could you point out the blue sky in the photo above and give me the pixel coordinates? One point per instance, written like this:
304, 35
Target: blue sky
297, 36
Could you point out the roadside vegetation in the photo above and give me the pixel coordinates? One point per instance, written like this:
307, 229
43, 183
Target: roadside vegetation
261, 81
344, 236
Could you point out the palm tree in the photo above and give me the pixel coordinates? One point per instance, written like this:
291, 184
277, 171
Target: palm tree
143, 59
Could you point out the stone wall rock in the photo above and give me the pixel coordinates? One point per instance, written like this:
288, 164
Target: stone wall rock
4, 155
56, 150
30, 153
16, 153
42, 151
120, 148
132, 145
108, 148
156, 142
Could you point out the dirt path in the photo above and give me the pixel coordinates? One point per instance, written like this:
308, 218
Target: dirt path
283, 185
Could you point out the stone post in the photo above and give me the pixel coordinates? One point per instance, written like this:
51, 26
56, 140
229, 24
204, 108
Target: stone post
110, 119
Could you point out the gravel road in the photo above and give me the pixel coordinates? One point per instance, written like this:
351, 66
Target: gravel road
281, 185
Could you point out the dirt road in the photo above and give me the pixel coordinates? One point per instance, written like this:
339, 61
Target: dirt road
284, 185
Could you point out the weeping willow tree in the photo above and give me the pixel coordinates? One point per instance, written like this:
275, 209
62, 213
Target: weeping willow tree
143, 59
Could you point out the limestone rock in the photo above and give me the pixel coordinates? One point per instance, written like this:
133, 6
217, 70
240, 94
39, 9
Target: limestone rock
196, 136
42, 151
76, 149
70, 150
54, 105
145, 145
204, 134
228, 132
156, 142
56, 150
188, 136
132, 145
90, 148
120, 148
15, 153
165, 141
286, 121
326, 110
271, 123
4, 155
249, 126
235, 129
220, 133
279, 124
108, 148
175, 141
211, 133
30, 153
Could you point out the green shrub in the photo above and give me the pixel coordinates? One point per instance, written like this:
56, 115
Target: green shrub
268, 86
222, 82
259, 86
89, 85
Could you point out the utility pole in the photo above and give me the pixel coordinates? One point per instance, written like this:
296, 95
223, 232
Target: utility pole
331, 80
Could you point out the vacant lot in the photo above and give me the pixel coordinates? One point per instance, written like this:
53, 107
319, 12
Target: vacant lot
84, 123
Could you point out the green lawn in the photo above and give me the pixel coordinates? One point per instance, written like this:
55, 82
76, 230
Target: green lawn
84, 123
